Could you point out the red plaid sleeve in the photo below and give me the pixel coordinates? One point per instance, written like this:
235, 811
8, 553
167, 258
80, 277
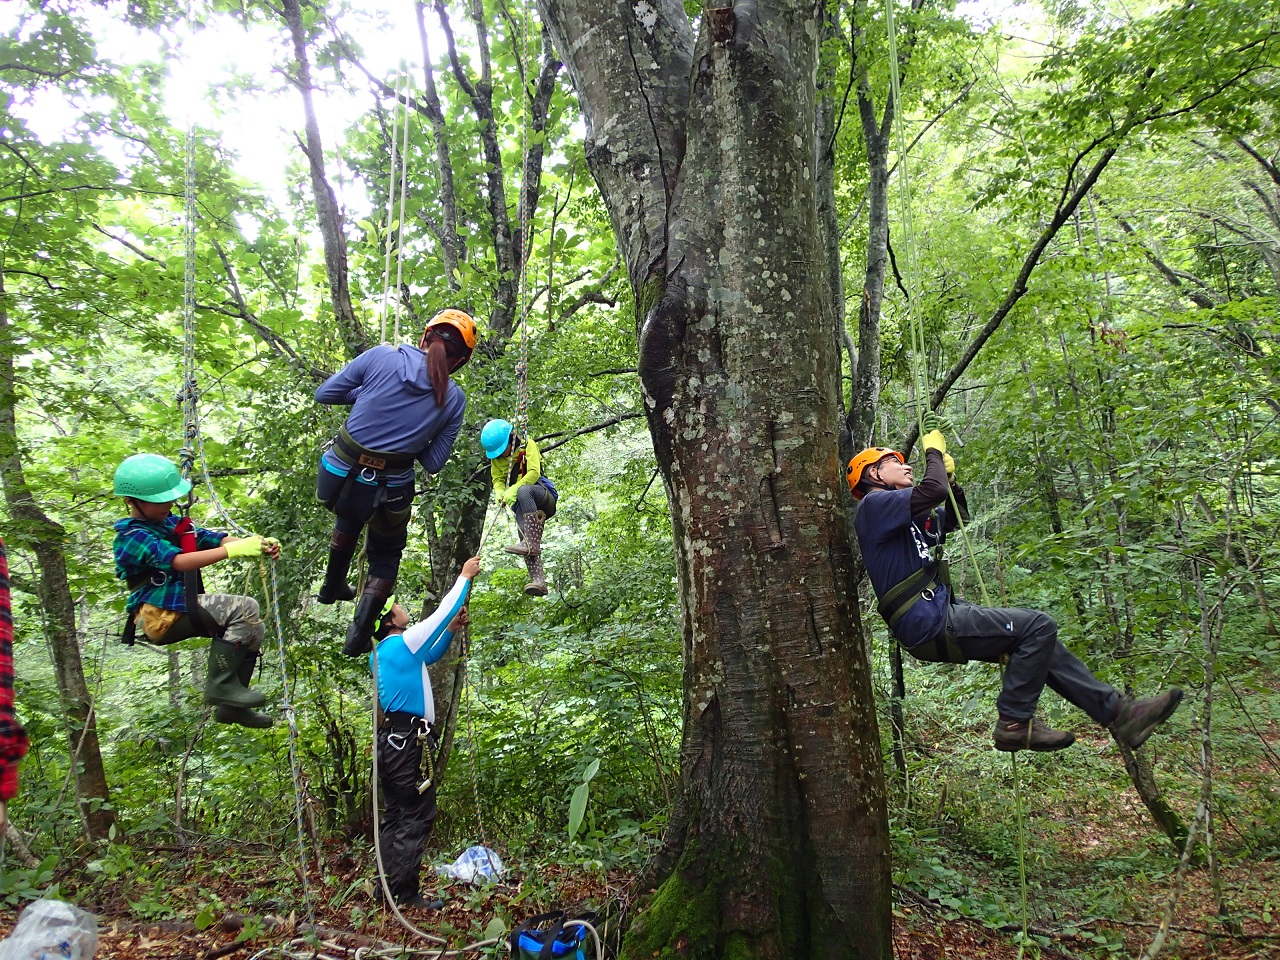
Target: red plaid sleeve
13, 739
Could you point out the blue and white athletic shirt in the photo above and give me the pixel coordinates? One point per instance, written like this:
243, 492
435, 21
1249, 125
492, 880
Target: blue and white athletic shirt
403, 681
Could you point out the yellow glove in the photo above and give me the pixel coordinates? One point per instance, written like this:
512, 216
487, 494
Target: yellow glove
244, 549
950, 464
934, 440
509, 494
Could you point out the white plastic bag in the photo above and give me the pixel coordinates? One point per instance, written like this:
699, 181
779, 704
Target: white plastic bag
476, 865
52, 930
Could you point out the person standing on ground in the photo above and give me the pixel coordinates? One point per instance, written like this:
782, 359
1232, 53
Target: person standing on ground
407, 740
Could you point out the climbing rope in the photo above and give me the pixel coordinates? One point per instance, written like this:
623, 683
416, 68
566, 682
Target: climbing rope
524, 301
404, 181
193, 452
391, 192
921, 385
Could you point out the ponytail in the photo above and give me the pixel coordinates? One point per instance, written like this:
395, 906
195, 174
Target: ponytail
437, 361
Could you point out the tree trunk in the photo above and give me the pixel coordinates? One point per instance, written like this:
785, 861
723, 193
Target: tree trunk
778, 844
34, 530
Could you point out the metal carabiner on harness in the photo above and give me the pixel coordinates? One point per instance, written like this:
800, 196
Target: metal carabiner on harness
397, 741
372, 475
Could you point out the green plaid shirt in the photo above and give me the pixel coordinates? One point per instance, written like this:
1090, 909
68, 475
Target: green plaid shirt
143, 546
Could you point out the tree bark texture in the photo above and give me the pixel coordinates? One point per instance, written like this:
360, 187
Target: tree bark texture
705, 154
36, 531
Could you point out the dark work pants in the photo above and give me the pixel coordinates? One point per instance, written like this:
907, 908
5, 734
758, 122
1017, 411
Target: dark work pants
385, 509
408, 815
1036, 659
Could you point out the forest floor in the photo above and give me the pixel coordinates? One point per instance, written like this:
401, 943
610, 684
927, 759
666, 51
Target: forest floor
923, 930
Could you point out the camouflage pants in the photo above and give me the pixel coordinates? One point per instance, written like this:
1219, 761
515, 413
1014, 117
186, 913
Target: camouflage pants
236, 616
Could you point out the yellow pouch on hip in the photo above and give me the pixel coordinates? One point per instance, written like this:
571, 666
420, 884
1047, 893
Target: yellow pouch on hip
155, 621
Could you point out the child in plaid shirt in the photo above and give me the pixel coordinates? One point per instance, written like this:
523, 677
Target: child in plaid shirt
160, 555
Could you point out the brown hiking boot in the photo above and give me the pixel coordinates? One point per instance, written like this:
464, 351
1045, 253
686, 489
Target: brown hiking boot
1033, 734
1137, 719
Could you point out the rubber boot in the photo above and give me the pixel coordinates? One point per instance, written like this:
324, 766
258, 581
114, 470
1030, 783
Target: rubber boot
243, 716
342, 549
365, 621
520, 549
222, 684
537, 585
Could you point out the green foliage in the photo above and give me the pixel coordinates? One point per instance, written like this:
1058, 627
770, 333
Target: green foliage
1119, 445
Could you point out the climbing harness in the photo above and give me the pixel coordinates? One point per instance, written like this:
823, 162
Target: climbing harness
893, 606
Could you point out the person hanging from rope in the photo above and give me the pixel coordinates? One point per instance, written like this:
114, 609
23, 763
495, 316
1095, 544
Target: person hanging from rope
13, 738
901, 529
160, 555
404, 407
407, 741
518, 480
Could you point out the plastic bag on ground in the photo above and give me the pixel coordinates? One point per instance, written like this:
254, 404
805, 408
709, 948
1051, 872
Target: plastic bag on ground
52, 930
476, 865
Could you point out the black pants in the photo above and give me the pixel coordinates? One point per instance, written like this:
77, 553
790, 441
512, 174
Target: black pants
385, 509
1037, 659
408, 814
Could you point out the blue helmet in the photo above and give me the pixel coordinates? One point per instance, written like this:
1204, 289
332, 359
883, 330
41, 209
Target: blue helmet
494, 438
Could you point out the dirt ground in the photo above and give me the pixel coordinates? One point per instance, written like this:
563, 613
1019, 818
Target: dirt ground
922, 930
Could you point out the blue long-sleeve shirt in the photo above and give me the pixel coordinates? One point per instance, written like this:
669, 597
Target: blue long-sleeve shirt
403, 681
393, 408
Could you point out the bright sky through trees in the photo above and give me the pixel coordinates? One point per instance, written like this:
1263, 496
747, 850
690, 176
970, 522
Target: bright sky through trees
207, 64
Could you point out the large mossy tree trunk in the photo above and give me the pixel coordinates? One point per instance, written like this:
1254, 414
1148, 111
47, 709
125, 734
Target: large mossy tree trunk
704, 150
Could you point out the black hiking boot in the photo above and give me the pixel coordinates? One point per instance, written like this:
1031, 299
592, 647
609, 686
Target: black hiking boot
1034, 734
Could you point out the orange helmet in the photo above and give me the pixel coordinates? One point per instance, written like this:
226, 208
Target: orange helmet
465, 327
867, 458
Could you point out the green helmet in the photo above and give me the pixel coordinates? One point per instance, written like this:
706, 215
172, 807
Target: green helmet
145, 476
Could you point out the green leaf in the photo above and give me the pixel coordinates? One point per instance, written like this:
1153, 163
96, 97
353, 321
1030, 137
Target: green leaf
578, 807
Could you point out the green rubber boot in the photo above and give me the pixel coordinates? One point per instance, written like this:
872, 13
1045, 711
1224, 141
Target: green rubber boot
222, 686
242, 716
